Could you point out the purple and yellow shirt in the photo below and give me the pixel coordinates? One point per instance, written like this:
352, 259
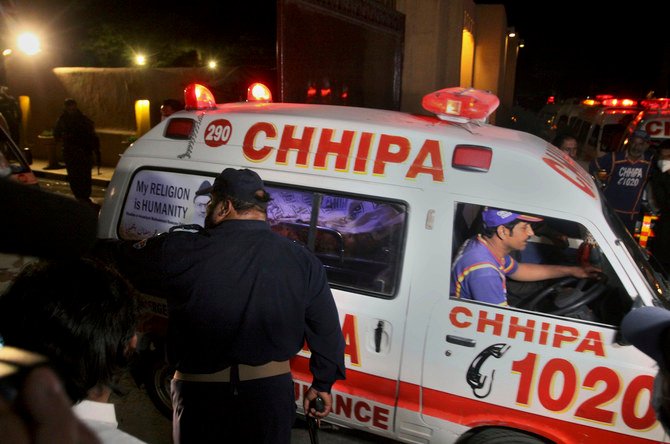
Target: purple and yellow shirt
477, 274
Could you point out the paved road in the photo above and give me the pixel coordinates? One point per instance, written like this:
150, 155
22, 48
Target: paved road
138, 416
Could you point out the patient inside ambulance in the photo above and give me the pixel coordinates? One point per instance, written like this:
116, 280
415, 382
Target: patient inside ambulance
600, 298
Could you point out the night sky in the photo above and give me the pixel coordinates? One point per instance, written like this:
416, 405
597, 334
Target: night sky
579, 48
573, 48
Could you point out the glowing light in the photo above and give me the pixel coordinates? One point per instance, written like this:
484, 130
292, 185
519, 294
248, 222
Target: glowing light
142, 116
258, 92
140, 60
28, 43
211, 64
197, 96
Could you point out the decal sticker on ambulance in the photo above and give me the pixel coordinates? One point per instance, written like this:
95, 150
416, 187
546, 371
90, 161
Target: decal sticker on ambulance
160, 200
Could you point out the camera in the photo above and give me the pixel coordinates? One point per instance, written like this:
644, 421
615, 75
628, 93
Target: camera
15, 364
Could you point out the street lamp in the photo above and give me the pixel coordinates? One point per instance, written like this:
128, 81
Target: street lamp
28, 43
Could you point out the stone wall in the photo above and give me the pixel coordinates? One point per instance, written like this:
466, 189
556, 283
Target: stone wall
106, 95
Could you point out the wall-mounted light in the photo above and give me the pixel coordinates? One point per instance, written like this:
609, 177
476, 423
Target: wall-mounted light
522, 43
511, 32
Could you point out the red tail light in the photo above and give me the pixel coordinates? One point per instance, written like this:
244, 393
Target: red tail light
472, 158
179, 128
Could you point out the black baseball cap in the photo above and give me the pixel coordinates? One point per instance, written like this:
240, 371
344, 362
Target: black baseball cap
242, 184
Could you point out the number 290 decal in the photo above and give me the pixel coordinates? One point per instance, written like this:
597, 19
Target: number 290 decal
218, 132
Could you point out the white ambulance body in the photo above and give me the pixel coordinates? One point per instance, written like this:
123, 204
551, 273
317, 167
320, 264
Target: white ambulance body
422, 367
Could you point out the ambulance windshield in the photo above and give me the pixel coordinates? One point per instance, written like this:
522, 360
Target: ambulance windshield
651, 270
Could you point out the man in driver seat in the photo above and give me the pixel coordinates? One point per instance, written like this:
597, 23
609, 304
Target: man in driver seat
483, 262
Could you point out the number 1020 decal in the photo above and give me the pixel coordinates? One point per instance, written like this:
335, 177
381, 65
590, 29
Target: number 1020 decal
604, 382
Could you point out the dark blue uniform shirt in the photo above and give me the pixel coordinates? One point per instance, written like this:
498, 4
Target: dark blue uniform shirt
239, 294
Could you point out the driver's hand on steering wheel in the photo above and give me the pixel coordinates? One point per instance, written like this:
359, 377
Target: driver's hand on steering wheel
585, 271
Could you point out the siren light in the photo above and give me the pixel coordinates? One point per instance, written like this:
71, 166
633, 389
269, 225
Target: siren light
620, 102
258, 92
657, 104
197, 97
461, 104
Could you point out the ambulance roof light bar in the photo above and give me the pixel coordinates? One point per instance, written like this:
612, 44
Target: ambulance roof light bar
259, 93
198, 97
609, 100
657, 104
461, 104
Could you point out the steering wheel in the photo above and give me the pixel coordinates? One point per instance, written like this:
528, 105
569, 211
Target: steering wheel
584, 292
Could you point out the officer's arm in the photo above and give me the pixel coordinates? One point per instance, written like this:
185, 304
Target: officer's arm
323, 332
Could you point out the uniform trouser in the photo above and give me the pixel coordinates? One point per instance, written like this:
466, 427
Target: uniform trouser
78, 164
255, 411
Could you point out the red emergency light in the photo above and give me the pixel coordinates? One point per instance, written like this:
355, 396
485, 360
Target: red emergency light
657, 104
197, 96
258, 92
620, 102
461, 104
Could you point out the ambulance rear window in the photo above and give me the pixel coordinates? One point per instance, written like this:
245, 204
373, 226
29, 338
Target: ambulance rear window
358, 239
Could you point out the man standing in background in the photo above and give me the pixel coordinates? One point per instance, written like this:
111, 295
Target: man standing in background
77, 134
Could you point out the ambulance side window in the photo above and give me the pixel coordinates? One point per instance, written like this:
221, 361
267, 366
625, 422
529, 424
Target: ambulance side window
358, 239
556, 242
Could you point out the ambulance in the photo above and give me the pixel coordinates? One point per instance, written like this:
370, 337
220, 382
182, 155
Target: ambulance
654, 119
599, 123
385, 199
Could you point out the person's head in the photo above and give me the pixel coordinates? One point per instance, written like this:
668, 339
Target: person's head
169, 107
567, 143
78, 313
70, 105
511, 229
648, 329
638, 143
663, 156
236, 194
202, 200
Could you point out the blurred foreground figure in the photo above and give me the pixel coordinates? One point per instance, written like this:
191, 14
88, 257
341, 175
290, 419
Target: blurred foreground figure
42, 224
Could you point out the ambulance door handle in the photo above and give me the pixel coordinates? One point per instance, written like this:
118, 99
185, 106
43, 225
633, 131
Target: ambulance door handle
458, 340
378, 336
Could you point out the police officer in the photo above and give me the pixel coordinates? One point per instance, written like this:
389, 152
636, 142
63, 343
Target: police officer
241, 301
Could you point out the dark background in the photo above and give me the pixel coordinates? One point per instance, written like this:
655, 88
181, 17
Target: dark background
573, 48
580, 48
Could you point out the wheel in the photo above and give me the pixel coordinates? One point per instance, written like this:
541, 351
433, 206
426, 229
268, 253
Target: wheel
580, 292
504, 436
157, 377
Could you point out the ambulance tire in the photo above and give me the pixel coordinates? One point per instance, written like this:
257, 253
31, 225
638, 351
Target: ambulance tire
495, 435
157, 377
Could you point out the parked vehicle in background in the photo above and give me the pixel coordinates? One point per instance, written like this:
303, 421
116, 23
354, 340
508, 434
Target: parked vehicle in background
598, 124
12, 161
654, 119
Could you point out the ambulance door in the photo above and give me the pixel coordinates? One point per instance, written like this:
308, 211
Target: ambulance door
360, 241
541, 369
